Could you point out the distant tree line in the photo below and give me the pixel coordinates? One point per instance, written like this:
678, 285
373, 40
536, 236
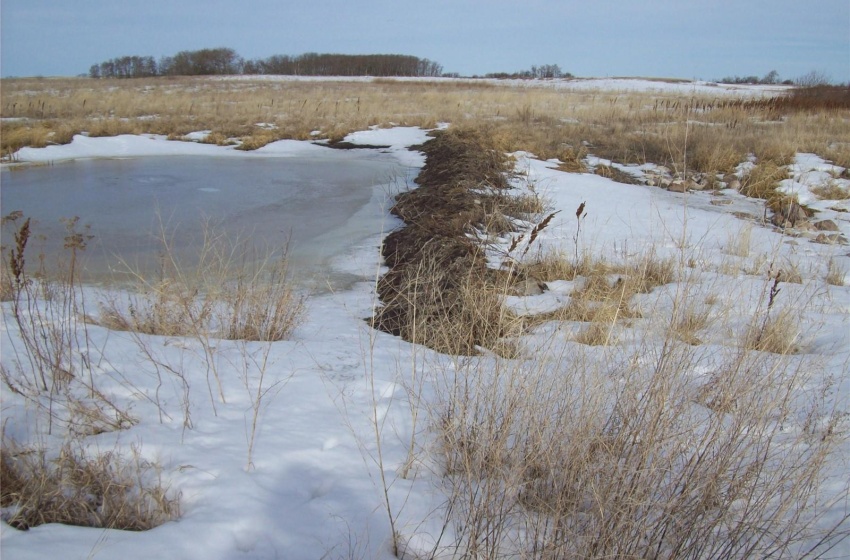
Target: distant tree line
221, 61
314, 64
811, 79
125, 67
771, 78
205, 62
542, 72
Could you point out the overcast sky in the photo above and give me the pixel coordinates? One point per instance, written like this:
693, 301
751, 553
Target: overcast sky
704, 39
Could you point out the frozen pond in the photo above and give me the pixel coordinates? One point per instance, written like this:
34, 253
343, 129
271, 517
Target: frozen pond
327, 206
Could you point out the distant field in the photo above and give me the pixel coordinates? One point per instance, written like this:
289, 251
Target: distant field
706, 127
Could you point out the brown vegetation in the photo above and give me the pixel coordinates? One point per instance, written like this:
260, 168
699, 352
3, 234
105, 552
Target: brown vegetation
813, 98
637, 127
228, 291
439, 290
106, 491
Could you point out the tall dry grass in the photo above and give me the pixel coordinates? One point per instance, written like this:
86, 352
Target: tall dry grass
52, 370
49, 365
230, 290
656, 447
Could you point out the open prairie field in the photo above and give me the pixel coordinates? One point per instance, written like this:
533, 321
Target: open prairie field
601, 319
707, 128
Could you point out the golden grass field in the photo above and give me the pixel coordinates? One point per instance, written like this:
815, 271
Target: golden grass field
701, 133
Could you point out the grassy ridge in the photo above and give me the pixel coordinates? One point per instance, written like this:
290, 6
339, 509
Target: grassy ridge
439, 290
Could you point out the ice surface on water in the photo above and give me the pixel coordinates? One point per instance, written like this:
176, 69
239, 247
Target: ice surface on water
324, 204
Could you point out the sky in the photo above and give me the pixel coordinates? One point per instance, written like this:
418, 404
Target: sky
697, 39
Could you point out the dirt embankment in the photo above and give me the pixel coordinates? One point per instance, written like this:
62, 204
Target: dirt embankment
439, 290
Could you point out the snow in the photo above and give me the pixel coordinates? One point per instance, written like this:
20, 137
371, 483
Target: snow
811, 171
129, 145
397, 138
198, 136
683, 87
647, 85
313, 488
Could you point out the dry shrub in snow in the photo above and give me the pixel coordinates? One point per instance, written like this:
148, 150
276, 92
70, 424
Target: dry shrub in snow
107, 490
602, 453
835, 273
227, 291
651, 445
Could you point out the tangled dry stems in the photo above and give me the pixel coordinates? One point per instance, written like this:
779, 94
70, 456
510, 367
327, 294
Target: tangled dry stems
624, 454
229, 291
106, 491
51, 369
439, 290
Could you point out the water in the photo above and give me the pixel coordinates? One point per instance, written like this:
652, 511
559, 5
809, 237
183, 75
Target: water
321, 206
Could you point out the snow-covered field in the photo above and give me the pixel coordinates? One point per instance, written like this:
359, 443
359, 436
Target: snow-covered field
335, 419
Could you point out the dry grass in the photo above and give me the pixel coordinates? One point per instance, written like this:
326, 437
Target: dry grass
227, 291
601, 298
49, 365
624, 452
604, 292
738, 243
779, 334
557, 265
615, 174
835, 273
572, 160
698, 133
596, 450
105, 491
762, 180
689, 323
831, 191
439, 291
597, 333
773, 329
451, 310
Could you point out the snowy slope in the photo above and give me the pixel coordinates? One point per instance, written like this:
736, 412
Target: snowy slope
314, 486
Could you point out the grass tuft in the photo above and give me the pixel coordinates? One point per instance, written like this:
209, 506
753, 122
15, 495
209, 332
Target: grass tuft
832, 190
836, 274
762, 180
106, 491
228, 292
